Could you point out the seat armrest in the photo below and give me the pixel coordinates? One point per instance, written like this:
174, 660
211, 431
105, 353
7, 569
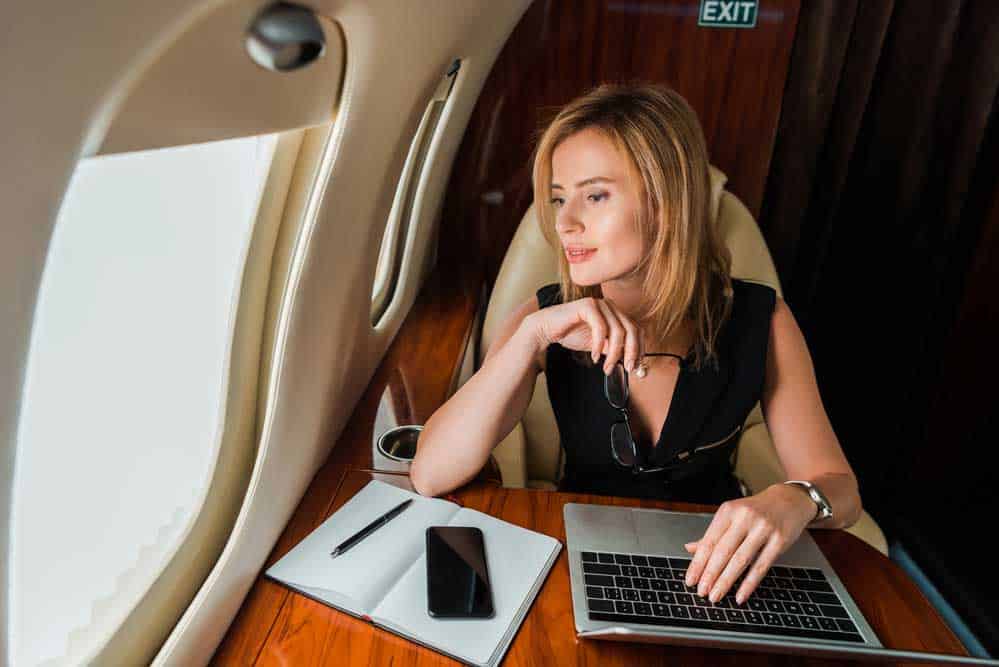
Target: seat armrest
510, 456
756, 462
869, 531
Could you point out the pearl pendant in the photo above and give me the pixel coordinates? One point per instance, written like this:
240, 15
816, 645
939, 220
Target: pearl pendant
641, 371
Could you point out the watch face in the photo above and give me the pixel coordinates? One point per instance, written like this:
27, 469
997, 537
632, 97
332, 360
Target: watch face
825, 510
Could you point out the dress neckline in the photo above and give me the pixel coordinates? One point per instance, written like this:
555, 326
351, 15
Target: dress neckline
683, 365
657, 445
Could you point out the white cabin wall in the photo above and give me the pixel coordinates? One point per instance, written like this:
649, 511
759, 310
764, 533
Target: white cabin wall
322, 348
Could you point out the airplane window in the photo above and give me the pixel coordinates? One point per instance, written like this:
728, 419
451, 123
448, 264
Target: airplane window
126, 383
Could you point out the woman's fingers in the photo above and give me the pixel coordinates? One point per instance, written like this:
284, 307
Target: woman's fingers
631, 350
615, 342
740, 560
721, 554
632, 342
591, 315
759, 568
606, 330
719, 524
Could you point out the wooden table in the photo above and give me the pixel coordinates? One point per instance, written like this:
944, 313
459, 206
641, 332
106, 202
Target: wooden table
279, 627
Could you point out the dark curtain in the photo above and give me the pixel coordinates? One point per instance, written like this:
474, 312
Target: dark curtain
880, 212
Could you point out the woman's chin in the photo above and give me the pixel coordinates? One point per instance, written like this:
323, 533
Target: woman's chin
583, 278
586, 276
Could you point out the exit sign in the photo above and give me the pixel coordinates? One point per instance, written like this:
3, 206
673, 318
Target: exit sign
728, 13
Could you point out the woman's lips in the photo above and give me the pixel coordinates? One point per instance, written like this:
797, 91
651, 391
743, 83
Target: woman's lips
577, 255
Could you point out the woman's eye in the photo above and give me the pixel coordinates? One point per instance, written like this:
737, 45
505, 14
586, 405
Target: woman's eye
597, 196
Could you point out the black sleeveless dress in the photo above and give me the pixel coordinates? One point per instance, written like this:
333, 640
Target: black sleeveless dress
708, 410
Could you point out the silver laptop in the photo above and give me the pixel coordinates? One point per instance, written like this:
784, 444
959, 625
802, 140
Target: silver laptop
627, 567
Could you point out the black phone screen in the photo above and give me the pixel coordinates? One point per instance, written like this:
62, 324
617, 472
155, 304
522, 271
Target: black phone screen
457, 578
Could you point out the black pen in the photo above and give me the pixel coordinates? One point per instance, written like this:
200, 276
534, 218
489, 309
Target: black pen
370, 528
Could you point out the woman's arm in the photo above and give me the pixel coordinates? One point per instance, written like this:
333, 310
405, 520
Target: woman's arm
802, 435
457, 439
748, 534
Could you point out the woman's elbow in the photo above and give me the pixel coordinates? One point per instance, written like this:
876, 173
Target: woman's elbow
418, 478
857, 507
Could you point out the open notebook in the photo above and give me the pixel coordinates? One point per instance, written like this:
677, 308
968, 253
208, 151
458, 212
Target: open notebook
384, 578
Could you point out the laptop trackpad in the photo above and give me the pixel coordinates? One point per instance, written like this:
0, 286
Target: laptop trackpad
667, 532
600, 527
637, 530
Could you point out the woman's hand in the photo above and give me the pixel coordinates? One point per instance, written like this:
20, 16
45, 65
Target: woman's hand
747, 533
591, 324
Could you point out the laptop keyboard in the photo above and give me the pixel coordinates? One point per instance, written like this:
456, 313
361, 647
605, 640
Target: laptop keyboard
788, 601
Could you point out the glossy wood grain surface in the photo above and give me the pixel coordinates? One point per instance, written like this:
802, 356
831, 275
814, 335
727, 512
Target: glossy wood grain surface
300, 631
419, 370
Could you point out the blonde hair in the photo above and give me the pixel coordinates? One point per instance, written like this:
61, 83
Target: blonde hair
685, 264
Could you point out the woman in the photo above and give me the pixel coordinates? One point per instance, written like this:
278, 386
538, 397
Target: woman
646, 327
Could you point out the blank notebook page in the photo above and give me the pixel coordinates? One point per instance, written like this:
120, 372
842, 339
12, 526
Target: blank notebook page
366, 571
515, 559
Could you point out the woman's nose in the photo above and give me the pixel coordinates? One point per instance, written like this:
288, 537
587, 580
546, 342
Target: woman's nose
566, 219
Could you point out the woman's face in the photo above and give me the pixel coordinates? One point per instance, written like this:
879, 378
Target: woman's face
596, 207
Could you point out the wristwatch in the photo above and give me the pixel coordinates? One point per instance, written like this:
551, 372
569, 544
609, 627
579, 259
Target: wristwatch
824, 508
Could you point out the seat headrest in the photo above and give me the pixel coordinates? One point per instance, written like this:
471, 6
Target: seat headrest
718, 180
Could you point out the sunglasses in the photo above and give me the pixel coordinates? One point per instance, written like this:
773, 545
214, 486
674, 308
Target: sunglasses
624, 449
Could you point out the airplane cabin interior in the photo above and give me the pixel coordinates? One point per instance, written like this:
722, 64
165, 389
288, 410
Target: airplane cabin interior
249, 247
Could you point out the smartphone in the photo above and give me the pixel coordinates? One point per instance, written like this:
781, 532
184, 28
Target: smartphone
457, 576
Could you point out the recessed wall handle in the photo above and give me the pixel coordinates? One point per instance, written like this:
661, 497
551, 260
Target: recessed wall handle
285, 37
414, 172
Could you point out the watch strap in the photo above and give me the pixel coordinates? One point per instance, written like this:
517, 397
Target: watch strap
823, 508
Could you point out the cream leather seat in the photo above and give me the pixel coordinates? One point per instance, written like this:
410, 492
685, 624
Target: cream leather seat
531, 455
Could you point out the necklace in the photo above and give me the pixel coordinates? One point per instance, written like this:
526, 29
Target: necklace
642, 369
